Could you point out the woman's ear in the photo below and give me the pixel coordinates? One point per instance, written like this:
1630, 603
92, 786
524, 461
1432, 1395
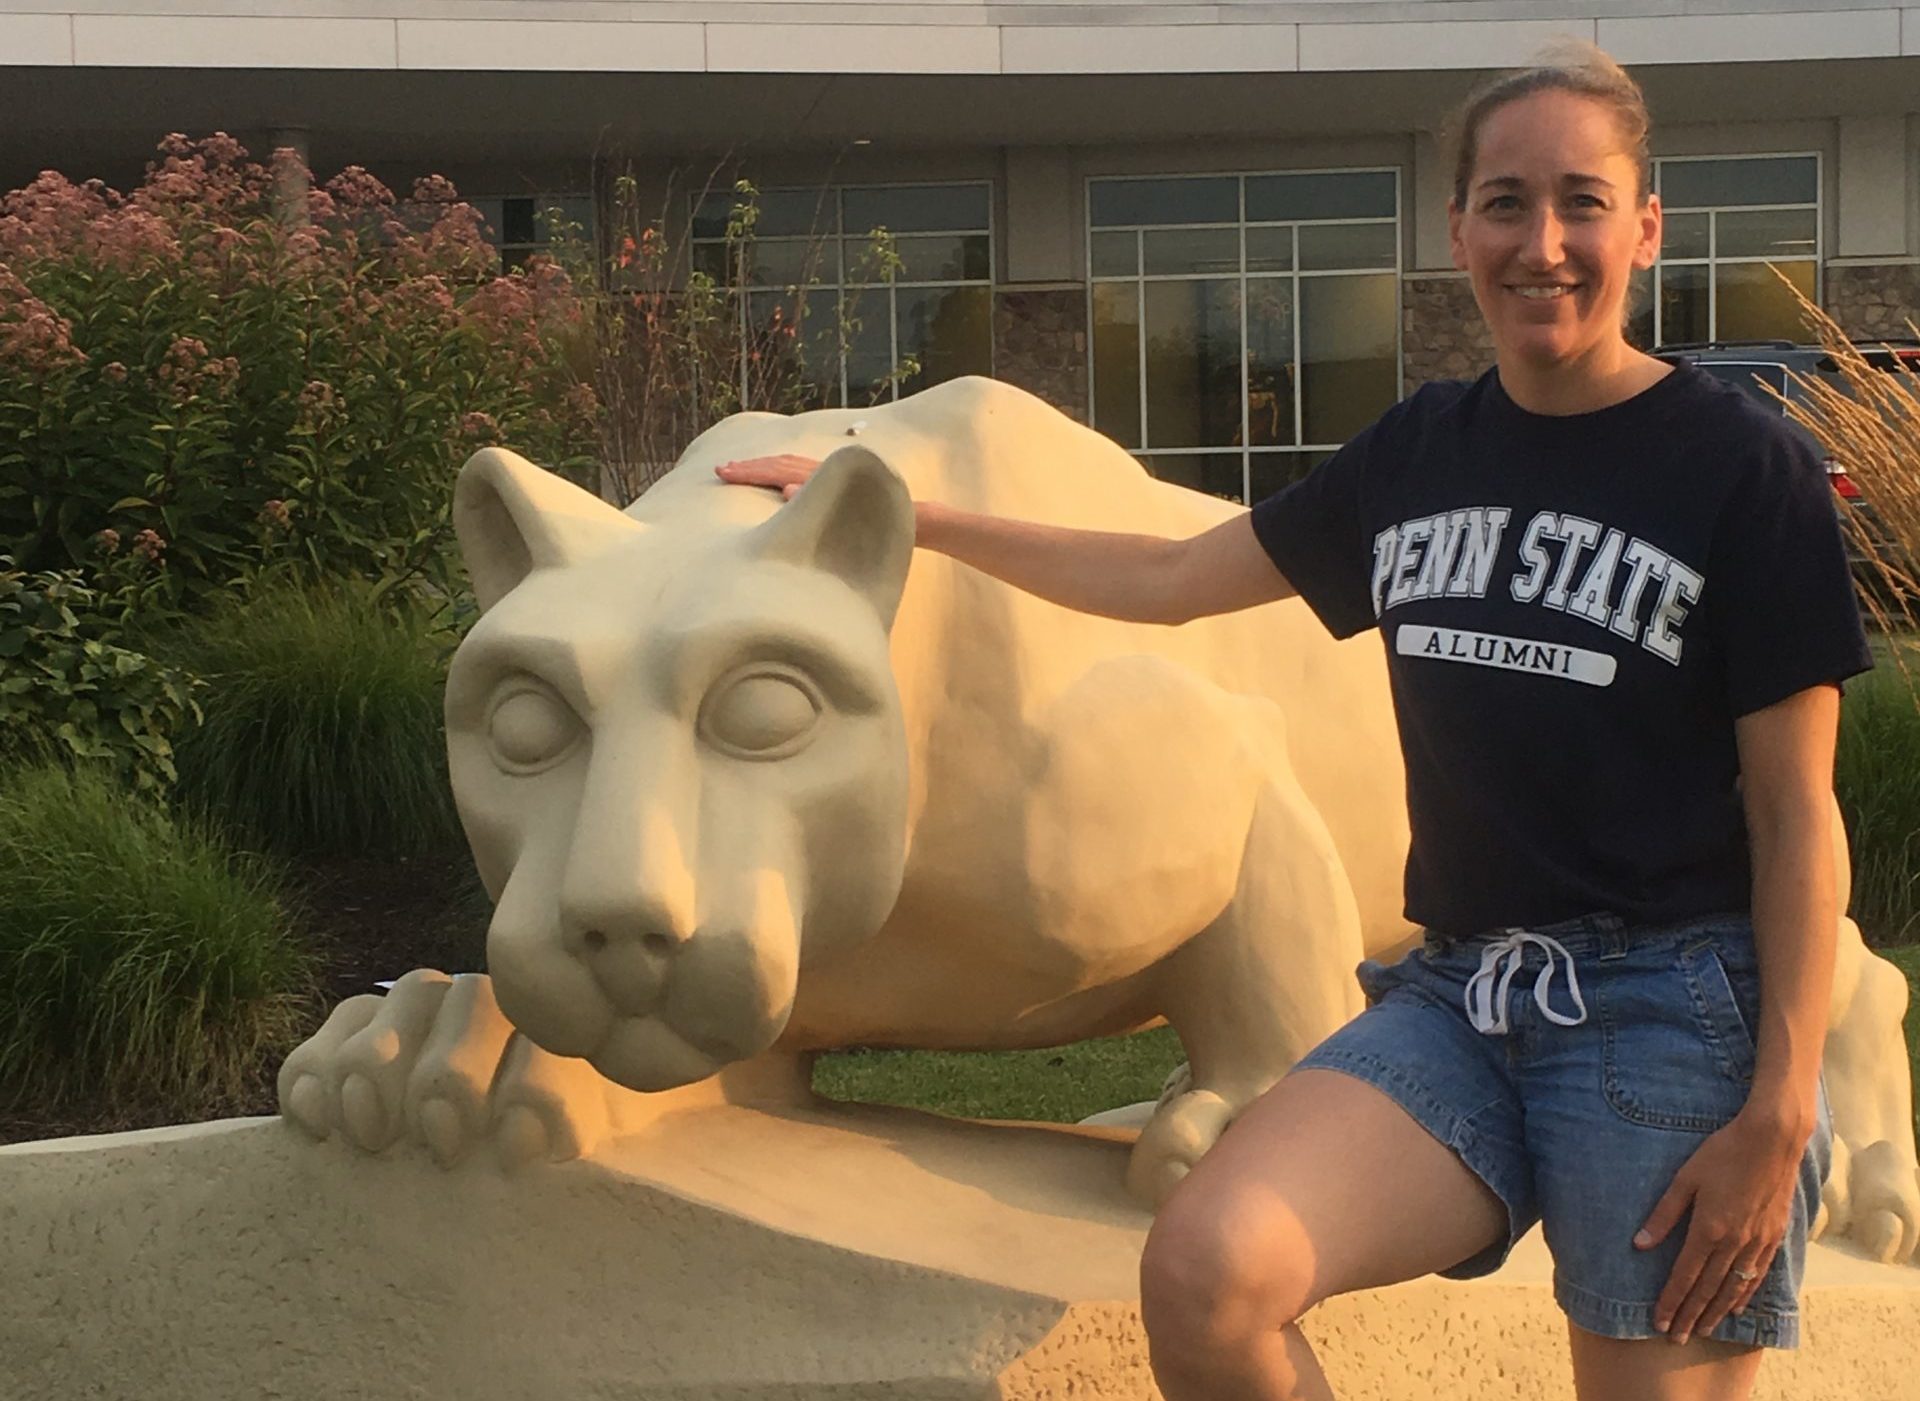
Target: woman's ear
1646, 250
1455, 244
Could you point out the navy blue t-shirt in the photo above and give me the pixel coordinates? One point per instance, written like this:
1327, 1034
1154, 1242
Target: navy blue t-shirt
1576, 609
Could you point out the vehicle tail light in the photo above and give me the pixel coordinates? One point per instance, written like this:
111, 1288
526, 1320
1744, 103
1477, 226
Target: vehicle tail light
1842, 483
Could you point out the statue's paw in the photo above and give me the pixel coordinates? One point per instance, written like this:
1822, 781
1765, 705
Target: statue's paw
350, 1078
547, 1108
1836, 1211
1182, 1129
1882, 1200
448, 1105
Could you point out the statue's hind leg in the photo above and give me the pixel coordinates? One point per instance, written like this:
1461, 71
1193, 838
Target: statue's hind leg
1873, 1192
1259, 987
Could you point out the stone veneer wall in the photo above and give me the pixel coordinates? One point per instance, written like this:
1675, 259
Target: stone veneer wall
1040, 343
1441, 333
1875, 300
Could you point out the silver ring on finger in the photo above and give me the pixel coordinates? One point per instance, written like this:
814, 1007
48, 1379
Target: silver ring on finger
1745, 1276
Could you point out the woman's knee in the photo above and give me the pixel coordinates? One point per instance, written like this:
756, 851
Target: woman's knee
1217, 1274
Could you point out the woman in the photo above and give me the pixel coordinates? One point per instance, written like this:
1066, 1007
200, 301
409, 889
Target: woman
1617, 611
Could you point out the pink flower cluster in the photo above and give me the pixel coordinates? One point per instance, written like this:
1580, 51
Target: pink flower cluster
318, 403
189, 368
477, 428
32, 336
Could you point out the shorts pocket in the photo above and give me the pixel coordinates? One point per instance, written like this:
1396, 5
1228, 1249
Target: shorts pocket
1677, 1050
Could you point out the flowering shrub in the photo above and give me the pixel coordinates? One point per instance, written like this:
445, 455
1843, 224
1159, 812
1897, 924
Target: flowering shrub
230, 367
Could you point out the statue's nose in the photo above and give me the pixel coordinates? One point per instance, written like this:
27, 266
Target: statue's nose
631, 961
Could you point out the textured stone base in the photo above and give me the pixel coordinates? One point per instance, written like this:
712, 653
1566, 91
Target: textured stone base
724, 1253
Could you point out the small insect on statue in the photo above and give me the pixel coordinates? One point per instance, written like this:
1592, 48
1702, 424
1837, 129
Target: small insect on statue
749, 781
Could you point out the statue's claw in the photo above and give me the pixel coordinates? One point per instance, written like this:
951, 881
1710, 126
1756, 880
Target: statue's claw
436, 1061
547, 1107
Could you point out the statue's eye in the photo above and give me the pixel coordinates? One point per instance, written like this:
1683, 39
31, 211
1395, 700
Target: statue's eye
760, 714
531, 729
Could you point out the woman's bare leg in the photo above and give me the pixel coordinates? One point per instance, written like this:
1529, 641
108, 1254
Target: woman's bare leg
1323, 1186
1653, 1369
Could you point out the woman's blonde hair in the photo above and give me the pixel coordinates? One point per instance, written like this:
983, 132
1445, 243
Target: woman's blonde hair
1571, 65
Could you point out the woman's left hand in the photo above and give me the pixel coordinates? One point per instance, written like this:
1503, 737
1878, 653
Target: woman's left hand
1740, 1184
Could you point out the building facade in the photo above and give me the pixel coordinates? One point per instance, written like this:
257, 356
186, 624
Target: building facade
1214, 231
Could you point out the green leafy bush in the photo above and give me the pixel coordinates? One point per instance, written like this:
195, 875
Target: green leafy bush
145, 964
322, 729
67, 687
1877, 777
256, 371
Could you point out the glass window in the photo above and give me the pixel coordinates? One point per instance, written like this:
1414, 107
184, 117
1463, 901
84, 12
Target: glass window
1247, 350
1270, 471
1193, 364
1116, 254
1209, 200
1730, 222
865, 328
522, 225
915, 209
1686, 236
1326, 247
1765, 233
1737, 180
1216, 473
1348, 364
1346, 194
1116, 361
1751, 303
1175, 251
1270, 249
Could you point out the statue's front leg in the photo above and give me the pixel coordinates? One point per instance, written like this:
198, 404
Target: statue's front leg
1258, 988
435, 1062
1873, 1191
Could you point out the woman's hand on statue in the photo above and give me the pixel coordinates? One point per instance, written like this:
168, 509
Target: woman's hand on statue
785, 473
1739, 1185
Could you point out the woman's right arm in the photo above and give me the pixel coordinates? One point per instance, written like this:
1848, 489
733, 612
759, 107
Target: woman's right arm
1136, 578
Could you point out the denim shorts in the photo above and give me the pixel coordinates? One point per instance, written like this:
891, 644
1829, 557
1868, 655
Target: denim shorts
1578, 1112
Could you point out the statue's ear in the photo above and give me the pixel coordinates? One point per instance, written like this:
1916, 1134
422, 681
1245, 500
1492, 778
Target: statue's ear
512, 518
853, 519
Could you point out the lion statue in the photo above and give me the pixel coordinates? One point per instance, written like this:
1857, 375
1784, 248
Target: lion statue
749, 781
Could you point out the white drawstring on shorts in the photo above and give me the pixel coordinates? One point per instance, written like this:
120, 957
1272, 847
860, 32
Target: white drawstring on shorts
1487, 1003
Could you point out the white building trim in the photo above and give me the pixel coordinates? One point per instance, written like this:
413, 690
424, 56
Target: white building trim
931, 36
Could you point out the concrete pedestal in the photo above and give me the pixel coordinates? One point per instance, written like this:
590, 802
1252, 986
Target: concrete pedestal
724, 1253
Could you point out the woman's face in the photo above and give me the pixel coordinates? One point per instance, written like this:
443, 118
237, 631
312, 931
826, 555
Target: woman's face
1552, 230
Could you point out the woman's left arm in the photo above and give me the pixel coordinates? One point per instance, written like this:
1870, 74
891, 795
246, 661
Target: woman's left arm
1741, 1181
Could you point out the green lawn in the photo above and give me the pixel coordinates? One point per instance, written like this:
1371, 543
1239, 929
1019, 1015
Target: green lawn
1057, 1086
1907, 959
1068, 1084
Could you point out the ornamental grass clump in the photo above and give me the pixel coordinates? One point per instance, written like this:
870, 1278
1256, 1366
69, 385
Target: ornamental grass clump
233, 368
147, 966
1868, 420
322, 730
1877, 778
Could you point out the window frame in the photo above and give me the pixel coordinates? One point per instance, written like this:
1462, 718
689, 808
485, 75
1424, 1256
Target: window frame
839, 284
1293, 275
1713, 260
542, 201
